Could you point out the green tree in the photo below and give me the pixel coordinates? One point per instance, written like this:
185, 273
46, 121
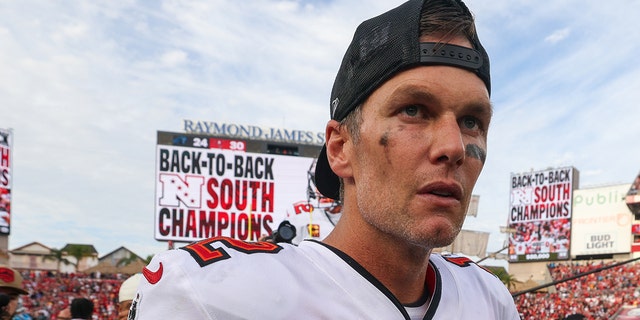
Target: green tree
509, 280
78, 251
58, 256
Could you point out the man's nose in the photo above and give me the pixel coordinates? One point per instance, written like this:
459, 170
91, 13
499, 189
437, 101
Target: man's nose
448, 146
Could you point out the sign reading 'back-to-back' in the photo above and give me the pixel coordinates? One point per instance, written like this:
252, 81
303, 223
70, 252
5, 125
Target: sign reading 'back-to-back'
540, 214
209, 186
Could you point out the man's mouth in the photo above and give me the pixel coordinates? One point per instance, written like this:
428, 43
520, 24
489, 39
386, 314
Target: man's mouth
444, 189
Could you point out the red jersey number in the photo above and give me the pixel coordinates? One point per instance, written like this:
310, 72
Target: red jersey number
205, 252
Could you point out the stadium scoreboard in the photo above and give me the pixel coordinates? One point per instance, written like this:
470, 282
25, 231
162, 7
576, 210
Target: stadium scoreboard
540, 211
222, 185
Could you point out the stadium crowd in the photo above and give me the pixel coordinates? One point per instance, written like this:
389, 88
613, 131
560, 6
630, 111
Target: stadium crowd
597, 295
49, 294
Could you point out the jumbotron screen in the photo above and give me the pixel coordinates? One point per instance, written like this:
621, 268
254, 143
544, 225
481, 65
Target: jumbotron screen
540, 214
212, 186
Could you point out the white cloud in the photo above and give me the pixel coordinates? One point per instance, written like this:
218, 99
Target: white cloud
558, 35
173, 58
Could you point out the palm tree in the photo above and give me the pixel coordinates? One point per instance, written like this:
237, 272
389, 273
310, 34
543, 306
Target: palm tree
78, 252
58, 256
509, 280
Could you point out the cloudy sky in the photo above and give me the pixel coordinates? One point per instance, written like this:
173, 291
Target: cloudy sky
85, 86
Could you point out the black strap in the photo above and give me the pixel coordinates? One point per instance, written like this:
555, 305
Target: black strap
450, 54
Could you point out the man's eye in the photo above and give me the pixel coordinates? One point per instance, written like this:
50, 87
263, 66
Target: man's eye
411, 110
470, 123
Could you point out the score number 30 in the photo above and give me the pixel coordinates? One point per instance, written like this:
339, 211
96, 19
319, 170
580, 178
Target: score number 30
215, 143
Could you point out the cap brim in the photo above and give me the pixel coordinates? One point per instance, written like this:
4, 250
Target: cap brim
14, 290
326, 180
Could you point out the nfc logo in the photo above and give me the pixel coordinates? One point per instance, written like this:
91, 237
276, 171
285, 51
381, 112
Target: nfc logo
175, 190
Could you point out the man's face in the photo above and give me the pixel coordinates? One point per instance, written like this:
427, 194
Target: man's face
13, 303
422, 145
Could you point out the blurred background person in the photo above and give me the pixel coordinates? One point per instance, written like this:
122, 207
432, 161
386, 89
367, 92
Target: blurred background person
11, 289
126, 294
64, 314
81, 308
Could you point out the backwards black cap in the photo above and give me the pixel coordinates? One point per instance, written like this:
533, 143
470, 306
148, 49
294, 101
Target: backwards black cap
381, 47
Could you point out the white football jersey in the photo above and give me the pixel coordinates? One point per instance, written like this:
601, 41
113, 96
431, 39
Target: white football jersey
224, 278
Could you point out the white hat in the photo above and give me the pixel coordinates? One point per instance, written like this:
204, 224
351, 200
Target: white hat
129, 287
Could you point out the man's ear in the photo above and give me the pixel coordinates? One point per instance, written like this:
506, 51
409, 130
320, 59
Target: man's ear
338, 144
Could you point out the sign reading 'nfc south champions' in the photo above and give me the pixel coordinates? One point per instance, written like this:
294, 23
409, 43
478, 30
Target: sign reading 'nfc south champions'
208, 186
540, 213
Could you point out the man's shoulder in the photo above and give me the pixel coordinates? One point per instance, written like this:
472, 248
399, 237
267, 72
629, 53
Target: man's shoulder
220, 256
464, 282
224, 252
225, 277
461, 266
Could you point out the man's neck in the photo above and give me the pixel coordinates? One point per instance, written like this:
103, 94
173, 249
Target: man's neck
401, 268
